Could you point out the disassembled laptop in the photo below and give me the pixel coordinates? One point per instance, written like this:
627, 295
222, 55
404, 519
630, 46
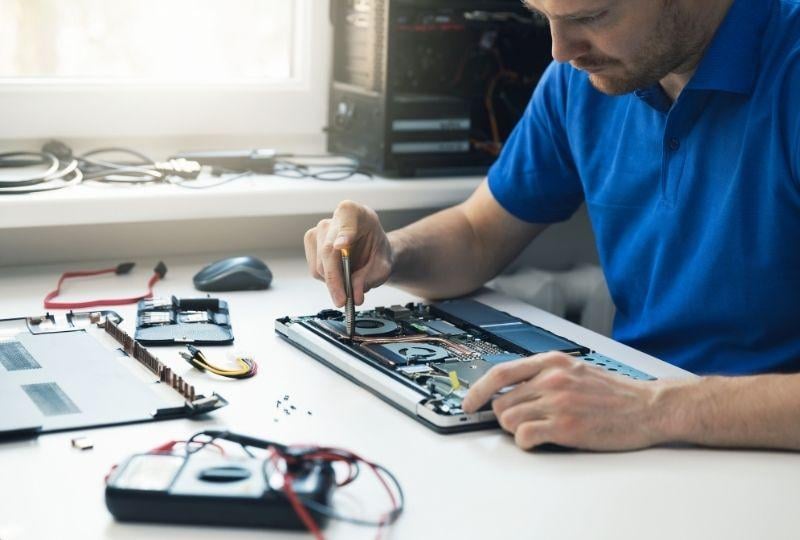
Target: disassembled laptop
422, 358
81, 370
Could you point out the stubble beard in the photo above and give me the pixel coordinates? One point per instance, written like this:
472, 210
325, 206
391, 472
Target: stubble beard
675, 40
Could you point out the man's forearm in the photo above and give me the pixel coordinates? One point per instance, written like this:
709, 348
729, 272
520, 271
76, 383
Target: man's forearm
438, 256
457, 250
761, 411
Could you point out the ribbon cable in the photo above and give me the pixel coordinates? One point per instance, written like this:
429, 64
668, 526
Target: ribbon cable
158, 273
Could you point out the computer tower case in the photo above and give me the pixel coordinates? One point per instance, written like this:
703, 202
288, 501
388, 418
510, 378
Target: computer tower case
431, 87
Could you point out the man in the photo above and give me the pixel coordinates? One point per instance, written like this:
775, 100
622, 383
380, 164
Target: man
677, 122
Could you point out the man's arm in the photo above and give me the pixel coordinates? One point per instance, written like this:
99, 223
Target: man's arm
558, 399
760, 411
457, 250
450, 253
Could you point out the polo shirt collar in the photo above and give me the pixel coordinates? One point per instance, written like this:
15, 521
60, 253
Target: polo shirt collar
656, 97
731, 61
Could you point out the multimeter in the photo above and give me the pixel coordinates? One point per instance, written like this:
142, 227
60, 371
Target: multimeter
211, 489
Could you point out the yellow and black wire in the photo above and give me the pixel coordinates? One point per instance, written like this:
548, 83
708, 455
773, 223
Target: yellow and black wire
247, 366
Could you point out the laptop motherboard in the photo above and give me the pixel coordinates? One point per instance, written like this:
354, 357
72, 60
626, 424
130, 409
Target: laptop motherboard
438, 350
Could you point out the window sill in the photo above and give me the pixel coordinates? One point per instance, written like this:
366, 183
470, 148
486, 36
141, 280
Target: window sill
255, 196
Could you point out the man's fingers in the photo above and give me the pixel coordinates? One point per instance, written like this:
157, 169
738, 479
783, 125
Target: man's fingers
342, 234
319, 233
358, 282
329, 262
522, 393
533, 433
355, 227
508, 374
555, 376
510, 419
310, 245
499, 377
346, 220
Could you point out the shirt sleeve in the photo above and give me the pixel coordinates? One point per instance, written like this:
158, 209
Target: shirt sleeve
535, 178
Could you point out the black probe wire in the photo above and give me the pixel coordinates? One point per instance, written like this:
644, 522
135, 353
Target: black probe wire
329, 511
350, 459
391, 516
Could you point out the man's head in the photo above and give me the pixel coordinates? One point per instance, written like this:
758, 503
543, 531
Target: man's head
627, 44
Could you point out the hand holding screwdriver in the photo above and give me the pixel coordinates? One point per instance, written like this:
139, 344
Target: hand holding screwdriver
357, 229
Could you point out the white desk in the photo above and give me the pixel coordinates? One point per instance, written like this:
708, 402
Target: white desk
476, 485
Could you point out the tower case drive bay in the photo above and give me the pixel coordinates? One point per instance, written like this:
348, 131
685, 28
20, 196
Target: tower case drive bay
431, 87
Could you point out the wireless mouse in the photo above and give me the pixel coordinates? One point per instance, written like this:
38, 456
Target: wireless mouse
234, 274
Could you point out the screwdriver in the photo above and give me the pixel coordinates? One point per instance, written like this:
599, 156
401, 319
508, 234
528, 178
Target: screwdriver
350, 305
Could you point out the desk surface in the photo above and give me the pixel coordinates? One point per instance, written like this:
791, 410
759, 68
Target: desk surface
476, 485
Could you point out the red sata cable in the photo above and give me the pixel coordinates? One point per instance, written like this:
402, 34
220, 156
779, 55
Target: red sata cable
158, 273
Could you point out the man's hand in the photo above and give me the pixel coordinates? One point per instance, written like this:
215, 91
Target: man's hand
559, 399
357, 228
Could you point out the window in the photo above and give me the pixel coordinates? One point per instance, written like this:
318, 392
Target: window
162, 67
147, 40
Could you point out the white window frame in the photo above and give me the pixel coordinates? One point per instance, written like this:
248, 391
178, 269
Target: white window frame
57, 108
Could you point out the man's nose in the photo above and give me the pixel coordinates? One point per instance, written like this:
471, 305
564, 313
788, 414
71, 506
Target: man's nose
567, 43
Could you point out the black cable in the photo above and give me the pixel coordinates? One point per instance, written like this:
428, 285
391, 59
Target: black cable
202, 444
46, 158
294, 158
52, 179
333, 172
138, 172
329, 511
125, 176
49, 185
63, 170
292, 166
145, 160
190, 184
351, 459
353, 475
10, 162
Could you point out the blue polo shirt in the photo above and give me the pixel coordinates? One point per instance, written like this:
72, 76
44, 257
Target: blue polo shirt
695, 205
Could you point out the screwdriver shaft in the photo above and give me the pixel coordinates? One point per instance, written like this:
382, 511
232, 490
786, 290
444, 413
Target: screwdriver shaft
350, 306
